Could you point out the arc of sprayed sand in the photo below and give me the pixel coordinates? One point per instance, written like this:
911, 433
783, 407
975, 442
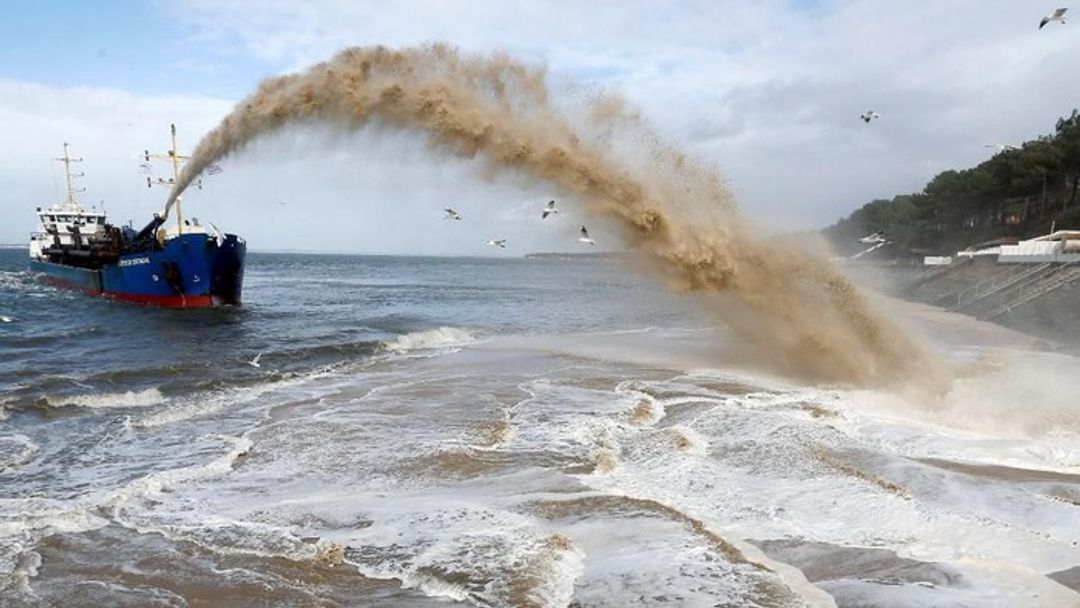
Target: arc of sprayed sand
677, 213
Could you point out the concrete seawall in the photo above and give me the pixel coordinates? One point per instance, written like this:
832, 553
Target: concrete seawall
1042, 300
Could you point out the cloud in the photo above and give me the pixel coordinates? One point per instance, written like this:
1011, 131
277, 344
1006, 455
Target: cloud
109, 128
770, 92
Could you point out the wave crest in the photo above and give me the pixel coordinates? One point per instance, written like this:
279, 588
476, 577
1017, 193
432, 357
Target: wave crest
144, 398
442, 337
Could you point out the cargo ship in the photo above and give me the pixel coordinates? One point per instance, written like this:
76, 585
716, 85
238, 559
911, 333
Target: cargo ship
185, 265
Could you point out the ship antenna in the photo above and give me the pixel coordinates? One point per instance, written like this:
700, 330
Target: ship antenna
67, 160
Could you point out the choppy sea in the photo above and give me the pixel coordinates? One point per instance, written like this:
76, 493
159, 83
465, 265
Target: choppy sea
507, 432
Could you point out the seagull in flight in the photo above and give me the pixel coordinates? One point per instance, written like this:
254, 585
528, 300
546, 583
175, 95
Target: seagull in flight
869, 115
1059, 15
255, 362
1002, 147
584, 238
451, 214
500, 243
873, 239
549, 210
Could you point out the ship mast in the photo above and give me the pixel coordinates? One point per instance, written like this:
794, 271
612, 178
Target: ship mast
67, 160
174, 156
176, 175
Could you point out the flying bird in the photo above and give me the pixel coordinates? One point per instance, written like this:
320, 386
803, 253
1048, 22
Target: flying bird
584, 238
869, 115
873, 239
451, 214
500, 243
1002, 147
1059, 15
549, 210
255, 362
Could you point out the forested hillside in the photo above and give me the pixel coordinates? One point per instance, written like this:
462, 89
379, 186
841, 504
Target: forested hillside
1020, 192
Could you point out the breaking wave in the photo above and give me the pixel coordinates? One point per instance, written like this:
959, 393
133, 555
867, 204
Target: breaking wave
144, 398
443, 337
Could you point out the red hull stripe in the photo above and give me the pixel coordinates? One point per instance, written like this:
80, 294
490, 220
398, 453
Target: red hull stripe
202, 301
164, 301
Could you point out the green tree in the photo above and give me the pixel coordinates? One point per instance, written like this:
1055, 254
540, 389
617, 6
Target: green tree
1017, 192
1068, 141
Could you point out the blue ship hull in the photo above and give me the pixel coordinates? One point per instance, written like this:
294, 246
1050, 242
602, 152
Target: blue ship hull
190, 271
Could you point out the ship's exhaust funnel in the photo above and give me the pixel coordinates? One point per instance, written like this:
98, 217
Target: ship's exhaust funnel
675, 212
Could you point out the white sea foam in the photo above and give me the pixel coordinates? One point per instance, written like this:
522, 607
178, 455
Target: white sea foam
207, 403
15, 450
460, 538
782, 492
127, 399
155, 483
23, 521
739, 457
17, 566
759, 466
19, 516
442, 337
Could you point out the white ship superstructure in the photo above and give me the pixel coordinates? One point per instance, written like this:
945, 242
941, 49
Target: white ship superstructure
67, 224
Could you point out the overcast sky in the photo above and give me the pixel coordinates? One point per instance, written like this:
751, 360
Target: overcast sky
769, 92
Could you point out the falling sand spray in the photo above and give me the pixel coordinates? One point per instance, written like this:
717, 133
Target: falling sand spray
673, 211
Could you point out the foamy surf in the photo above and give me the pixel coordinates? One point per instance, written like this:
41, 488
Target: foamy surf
127, 399
432, 339
579, 463
205, 403
15, 449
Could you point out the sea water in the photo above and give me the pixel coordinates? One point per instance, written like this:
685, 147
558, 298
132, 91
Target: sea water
506, 432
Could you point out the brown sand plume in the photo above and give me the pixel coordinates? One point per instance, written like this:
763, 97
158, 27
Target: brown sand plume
675, 212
